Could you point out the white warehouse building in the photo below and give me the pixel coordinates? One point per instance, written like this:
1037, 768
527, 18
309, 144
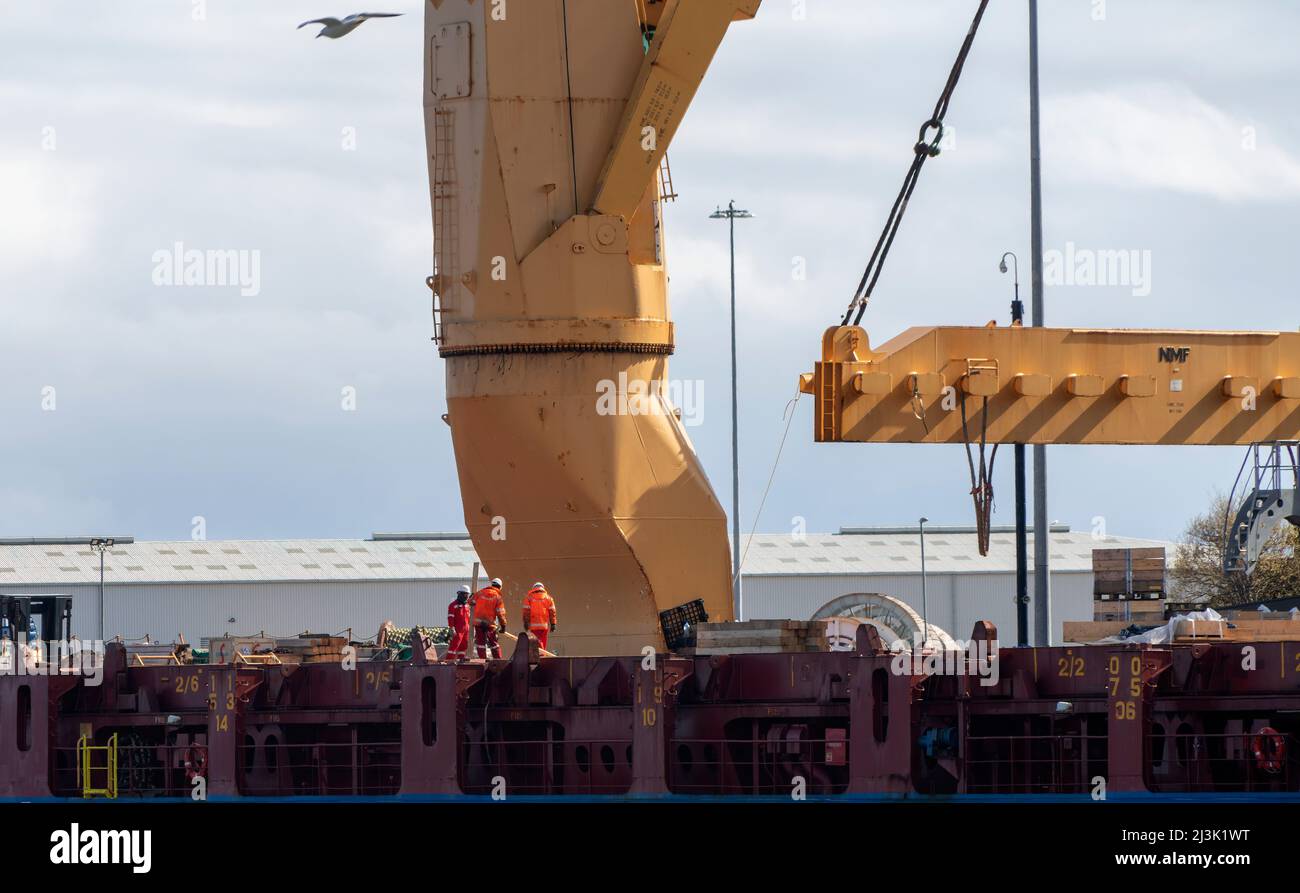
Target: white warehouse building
207, 589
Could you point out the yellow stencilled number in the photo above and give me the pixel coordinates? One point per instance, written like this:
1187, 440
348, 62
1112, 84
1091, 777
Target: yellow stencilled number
1125, 710
186, 684
223, 723
649, 716
1069, 667
230, 700
1134, 684
375, 680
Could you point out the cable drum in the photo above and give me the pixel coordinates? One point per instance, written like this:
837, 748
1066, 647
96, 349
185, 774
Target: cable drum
894, 619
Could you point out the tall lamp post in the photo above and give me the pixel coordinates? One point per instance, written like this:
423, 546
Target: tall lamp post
1042, 574
731, 215
101, 545
925, 608
1022, 543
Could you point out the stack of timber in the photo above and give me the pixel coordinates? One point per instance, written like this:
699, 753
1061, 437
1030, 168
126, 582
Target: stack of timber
760, 637
312, 649
1276, 627
307, 648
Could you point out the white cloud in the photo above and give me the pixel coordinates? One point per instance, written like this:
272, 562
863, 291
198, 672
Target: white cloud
46, 507
1162, 136
701, 269
225, 133
47, 212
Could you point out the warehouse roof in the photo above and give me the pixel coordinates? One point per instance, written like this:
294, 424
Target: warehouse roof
451, 556
894, 550
225, 561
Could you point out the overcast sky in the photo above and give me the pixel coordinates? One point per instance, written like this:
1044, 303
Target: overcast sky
131, 407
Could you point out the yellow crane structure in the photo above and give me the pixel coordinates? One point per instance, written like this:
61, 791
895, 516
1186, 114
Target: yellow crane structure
1056, 386
546, 124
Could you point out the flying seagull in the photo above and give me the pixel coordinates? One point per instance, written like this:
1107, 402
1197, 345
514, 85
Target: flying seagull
336, 28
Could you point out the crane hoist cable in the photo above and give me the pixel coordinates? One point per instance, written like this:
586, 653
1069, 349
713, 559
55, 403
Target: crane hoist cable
981, 483
926, 147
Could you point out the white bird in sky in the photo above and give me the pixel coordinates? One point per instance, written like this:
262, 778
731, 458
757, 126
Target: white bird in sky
336, 28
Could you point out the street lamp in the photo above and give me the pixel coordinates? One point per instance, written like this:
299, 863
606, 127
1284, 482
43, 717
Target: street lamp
1017, 306
925, 612
101, 545
731, 214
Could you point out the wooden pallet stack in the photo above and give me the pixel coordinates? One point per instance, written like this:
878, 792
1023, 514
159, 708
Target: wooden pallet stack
1128, 584
760, 637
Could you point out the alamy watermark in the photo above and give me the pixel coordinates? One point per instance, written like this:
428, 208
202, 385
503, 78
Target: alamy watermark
78, 846
178, 265
684, 399
977, 657
1126, 267
58, 657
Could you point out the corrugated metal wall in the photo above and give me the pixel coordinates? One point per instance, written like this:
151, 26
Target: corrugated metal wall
956, 601
283, 609
85, 604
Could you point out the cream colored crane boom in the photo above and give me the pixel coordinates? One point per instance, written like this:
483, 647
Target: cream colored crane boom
551, 306
686, 38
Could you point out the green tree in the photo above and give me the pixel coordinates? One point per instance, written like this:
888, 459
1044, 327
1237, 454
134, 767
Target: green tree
1197, 569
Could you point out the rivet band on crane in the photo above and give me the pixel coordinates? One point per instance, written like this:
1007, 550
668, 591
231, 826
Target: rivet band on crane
557, 347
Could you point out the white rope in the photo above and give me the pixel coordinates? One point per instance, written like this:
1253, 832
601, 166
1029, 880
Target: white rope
789, 417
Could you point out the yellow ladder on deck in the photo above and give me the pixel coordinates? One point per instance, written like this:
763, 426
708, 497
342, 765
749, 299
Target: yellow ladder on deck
86, 767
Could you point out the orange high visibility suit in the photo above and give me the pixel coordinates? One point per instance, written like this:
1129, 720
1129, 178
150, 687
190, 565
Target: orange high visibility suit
539, 613
489, 615
458, 623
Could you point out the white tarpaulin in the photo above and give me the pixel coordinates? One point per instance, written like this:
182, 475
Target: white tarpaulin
1162, 635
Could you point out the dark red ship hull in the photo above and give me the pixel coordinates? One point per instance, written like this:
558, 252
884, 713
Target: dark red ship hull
1179, 719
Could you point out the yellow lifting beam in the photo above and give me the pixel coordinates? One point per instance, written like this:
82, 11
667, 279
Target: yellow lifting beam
1058, 386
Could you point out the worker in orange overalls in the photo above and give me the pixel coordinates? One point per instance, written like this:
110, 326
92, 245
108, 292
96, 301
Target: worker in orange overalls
539, 613
458, 623
489, 618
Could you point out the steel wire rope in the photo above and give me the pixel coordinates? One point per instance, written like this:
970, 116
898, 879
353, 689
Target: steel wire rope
924, 148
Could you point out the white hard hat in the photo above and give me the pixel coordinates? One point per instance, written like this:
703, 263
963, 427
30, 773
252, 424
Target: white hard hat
462, 590
496, 581
539, 585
